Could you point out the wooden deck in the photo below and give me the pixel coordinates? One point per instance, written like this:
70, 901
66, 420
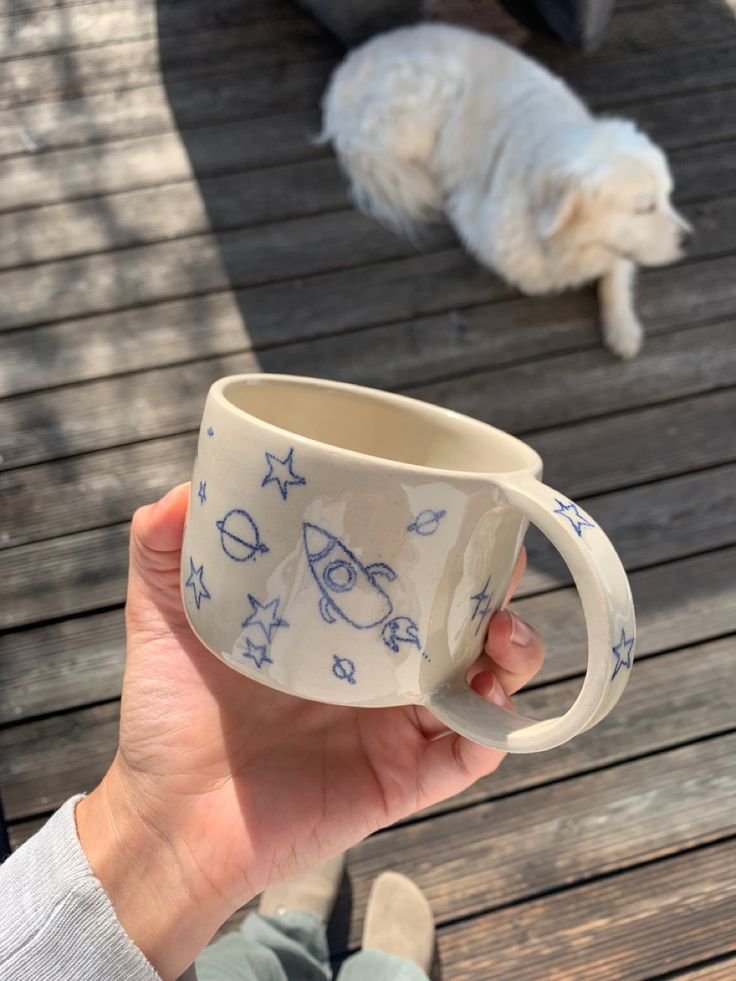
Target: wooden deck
164, 221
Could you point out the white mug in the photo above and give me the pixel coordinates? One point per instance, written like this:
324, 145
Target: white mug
350, 546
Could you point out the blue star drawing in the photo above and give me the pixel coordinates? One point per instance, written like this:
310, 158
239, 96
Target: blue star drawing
480, 611
258, 653
426, 522
264, 615
210, 431
574, 515
622, 653
195, 582
281, 473
344, 669
202, 492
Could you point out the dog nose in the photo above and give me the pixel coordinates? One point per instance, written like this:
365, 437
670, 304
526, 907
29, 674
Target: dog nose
686, 237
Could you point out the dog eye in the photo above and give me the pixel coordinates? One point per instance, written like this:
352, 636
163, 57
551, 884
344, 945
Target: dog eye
647, 209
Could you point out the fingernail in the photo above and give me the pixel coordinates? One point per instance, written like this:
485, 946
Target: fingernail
521, 633
497, 694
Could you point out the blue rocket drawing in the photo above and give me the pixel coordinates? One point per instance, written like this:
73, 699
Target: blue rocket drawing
350, 590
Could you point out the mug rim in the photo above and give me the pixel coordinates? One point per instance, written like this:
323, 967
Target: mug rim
218, 392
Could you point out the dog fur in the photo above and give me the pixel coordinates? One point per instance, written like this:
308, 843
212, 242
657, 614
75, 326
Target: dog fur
436, 119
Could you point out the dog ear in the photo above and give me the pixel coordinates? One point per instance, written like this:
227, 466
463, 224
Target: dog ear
556, 206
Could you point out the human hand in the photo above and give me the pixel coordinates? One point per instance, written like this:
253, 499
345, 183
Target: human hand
221, 785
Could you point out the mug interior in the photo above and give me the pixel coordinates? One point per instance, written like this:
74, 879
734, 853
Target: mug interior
378, 424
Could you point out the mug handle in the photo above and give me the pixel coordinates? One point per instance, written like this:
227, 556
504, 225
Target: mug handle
609, 616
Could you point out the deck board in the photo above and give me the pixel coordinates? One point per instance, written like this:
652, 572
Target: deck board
46, 27
167, 219
684, 515
693, 681
662, 916
667, 619
596, 457
63, 422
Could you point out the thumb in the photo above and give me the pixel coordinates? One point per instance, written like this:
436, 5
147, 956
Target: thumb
156, 532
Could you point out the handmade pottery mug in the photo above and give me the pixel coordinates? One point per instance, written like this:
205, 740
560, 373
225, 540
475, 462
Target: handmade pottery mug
350, 546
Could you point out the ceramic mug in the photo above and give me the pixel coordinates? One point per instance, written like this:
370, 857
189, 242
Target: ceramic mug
350, 546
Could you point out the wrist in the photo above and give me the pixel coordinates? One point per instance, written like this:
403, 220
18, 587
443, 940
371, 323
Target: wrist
168, 910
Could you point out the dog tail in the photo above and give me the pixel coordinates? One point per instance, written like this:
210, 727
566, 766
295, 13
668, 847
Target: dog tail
388, 181
399, 193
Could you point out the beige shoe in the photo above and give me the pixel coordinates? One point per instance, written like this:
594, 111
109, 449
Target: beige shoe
314, 890
399, 920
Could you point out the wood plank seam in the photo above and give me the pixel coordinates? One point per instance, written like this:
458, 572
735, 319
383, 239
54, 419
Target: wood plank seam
602, 876
316, 153
516, 362
556, 781
243, 73
154, 33
157, 130
272, 279
535, 359
415, 389
540, 430
719, 959
602, 103
213, 228
152, 132
603, 56
450, 806
524, 594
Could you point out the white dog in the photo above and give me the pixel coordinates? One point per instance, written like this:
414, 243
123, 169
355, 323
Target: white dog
435, 118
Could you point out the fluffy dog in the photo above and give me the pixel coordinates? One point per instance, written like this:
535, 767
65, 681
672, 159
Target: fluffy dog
437, 119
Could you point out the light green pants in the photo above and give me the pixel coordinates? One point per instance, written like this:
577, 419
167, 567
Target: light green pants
293, 947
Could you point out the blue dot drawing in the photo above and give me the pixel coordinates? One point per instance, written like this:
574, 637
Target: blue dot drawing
258, 653
426, 522
210, 431
264, 615
349, 590
400, 630
239, 536
622, 653
281, 473
574, 515
195, 582
344, 669
482, 605
202, 492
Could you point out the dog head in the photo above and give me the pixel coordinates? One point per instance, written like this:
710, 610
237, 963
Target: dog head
612, 193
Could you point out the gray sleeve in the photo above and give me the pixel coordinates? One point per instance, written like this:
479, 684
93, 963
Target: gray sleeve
56, 921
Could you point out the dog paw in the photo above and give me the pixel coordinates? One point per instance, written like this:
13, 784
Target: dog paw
624, 336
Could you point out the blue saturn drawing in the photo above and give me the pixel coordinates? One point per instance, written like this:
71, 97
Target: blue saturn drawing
239, 536
426, 522
349, 590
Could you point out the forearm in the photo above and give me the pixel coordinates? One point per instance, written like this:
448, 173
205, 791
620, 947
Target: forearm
167, 907
56, 922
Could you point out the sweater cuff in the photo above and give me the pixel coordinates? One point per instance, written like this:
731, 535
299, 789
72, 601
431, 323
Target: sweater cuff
56, 920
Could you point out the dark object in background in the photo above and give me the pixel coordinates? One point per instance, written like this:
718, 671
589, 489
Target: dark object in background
580, 23
354, 21
4, 841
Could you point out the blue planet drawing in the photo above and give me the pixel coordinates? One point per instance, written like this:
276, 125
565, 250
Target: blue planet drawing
349, 589
398, 631
344, 669
426, 522
239, 536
